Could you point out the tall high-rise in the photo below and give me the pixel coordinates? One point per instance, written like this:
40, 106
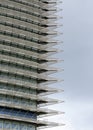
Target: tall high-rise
26, 31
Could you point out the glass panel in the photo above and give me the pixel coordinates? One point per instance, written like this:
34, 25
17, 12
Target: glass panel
8, 98
23, 127
15, 100
2, 86
6, 125
1, 124
15, 126
2, 97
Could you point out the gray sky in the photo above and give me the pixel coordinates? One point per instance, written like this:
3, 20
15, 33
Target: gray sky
78, 56
78, 40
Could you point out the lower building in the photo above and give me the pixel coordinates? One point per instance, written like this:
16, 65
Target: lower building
26, 28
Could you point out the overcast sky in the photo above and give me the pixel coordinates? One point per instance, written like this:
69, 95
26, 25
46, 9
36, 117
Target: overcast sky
78, 56
78, 40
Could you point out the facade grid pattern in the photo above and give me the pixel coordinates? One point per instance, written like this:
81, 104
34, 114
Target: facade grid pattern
25, 46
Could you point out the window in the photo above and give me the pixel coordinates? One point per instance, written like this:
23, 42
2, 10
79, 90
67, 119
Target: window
6, 125
1, 124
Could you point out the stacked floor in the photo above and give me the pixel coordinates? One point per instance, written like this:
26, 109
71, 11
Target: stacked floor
26, 29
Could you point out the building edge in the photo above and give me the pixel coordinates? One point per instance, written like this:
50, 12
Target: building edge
42, 30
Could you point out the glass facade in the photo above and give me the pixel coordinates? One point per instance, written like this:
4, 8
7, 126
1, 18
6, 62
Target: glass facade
14, 125
24, 49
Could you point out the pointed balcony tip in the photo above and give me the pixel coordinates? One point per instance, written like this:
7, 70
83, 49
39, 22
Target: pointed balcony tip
56, 42
60, 70
60, 80
51, 1
56, 51
61, 113
61, 101
55, 60
53, 124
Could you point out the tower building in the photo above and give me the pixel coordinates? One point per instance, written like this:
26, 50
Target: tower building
27, 28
